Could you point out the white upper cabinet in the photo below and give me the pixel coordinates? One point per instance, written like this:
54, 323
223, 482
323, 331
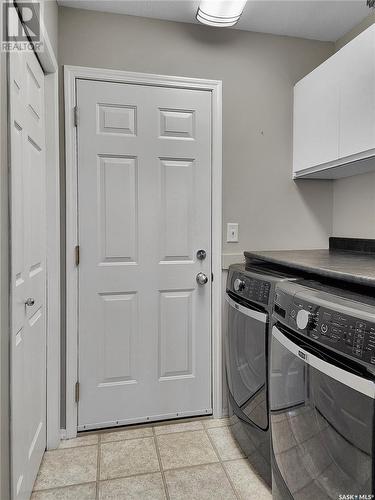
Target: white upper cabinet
316, 112
357, 96
334, 114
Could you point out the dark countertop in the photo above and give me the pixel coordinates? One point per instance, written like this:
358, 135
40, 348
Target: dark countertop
354, 267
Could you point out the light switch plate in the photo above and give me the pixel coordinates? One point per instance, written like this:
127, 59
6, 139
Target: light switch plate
232, 232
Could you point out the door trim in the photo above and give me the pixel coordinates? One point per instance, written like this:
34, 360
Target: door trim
71, 74
49, 64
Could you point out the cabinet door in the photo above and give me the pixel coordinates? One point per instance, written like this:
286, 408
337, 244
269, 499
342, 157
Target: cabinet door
316, 117
357, 100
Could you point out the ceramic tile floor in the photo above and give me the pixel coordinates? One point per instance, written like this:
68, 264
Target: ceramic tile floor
188, 460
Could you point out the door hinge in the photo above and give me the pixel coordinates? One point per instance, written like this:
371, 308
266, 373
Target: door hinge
212, 276
77, 387
77, 254
75, 116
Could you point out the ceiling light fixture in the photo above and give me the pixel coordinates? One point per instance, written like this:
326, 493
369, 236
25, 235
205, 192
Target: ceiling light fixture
222, 13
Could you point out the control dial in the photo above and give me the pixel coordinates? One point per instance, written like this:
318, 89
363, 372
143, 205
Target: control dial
238, 285
304, 319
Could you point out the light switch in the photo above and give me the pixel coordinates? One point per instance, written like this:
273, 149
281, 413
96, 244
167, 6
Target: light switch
232, 232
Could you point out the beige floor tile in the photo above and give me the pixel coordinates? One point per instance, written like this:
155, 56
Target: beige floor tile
79, 492
181, 427
145, 487
185, 448
107, 437
225, 443
84, 440
67, 467
246, 482
216, 422
204, 482
126, 458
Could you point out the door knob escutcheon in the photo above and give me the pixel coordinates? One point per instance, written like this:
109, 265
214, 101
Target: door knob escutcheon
201, 254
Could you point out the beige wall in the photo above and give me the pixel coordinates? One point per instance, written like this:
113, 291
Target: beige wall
354, 206
354, 197
258, 73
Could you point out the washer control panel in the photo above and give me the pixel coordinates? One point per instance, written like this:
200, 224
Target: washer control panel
250, 288
342, 332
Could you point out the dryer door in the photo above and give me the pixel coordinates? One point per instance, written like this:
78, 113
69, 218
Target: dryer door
245, 352
322, 422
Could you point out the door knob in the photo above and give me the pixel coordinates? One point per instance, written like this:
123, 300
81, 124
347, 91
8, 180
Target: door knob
29, 302
201, 279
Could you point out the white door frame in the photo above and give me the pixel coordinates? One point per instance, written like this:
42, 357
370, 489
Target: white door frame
49, 65
71, 74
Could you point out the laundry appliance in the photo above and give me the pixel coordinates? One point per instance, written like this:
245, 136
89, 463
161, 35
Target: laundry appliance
322, 392
249, 299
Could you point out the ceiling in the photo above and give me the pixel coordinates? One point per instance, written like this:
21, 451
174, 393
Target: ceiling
326, 20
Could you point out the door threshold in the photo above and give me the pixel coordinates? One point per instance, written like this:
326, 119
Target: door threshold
144, 421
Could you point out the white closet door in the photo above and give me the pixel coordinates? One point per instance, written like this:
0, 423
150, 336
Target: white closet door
28, 271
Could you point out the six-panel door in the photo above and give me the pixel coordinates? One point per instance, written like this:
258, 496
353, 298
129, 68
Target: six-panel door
144, 204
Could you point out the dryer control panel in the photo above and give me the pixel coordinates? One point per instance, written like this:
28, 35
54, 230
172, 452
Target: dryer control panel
323, 321
250, 288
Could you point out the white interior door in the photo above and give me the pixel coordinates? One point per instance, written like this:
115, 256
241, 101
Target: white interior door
28, 271
144, 204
